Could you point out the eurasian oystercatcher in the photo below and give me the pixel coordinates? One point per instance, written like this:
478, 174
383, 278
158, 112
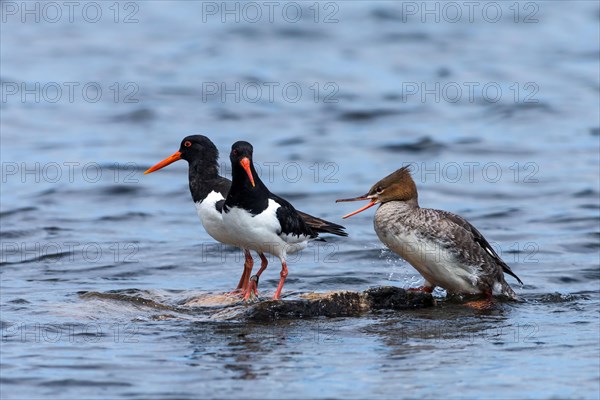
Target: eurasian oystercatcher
443, 247
209, 190
259, 220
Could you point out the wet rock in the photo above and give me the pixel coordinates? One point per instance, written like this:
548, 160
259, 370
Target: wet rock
221, 307
335, 304
129, 296
339, 304
393, 298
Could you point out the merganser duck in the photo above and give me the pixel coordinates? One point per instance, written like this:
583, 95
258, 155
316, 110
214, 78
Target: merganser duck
443, 247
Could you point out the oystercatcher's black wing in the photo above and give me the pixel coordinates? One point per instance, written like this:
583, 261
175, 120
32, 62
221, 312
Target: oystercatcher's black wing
290, 220
321, 226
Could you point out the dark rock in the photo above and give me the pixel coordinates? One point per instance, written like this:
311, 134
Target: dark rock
393, 298
220, 307
336, 304
339, 304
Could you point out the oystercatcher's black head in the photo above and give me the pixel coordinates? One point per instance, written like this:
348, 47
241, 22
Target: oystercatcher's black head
241, 154
193, 149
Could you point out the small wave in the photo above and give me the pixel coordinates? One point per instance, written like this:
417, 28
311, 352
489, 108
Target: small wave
291, 141
120, 190
227, 115
407, 37
512, 110
52, 257
586, 193
137, 116
126, 167
297, 33
560, 298
19, 301
17, 211
124, 217
501, 214
424, 144
15, 234
367, 115
386, 14
84, 383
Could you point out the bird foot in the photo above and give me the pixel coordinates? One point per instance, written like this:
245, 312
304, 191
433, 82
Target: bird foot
236, 292
482, 304
251, 292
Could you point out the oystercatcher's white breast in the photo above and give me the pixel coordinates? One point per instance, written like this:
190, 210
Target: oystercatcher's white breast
212, 219
262, 232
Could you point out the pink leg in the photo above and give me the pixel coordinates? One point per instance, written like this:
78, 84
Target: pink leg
252, 288
263, 264
248, 264
283, 274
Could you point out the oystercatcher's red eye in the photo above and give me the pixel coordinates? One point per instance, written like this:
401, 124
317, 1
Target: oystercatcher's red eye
234, 152
187, 143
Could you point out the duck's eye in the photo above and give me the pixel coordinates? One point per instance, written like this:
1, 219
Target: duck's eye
187, 143
379, 189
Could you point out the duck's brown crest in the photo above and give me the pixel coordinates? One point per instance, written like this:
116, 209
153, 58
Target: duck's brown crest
399, 186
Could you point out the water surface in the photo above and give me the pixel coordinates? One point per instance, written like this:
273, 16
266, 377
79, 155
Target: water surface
78, 215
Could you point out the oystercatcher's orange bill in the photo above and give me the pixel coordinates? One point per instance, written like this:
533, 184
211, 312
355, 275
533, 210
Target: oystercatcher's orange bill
169, 160
245, 163
371, 204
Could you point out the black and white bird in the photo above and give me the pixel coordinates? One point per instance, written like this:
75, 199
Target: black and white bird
259, 220
209, 190
445, 248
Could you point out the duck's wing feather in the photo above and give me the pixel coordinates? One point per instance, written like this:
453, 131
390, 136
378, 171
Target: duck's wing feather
480, 240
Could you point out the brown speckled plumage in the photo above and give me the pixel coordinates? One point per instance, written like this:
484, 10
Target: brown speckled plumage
445, 248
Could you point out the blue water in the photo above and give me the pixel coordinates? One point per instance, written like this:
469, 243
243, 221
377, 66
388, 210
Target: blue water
497, 111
